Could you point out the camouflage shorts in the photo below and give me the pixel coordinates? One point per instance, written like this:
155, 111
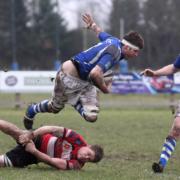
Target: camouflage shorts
70, 90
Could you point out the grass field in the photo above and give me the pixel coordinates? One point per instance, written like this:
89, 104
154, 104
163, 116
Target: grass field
131, 137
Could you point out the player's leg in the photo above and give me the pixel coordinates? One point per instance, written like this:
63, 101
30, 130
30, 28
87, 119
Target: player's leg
32, 110
10, 129
17, 157
169, 144
51, 106
88, 106
13, 131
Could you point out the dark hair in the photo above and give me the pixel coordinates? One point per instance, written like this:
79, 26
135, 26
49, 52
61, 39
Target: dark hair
99, 153
135, 38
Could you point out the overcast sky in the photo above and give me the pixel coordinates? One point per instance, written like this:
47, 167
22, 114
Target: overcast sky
72, 10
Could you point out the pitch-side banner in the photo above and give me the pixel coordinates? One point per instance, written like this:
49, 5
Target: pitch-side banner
27, 81
133, 83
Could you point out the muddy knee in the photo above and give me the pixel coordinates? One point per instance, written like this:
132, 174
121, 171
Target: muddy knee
91, 113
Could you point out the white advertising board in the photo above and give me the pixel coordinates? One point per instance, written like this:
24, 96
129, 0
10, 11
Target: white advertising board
27, 81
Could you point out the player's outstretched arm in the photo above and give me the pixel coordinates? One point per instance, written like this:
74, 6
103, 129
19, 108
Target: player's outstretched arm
148, 72
166, 70
90, 24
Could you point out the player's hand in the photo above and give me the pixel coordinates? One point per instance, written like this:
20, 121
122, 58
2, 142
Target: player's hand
148, 72
88, 20
25, 137
75, 165
30, 147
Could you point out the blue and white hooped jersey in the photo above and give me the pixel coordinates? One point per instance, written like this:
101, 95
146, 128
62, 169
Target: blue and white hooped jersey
106, 54
177, 62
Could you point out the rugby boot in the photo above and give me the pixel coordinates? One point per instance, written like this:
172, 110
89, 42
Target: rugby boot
157, 167
28, 119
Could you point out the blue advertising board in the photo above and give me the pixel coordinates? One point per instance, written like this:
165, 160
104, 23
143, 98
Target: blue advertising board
133, 83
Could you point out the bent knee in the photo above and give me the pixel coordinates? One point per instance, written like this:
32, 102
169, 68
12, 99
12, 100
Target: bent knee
55, 108
91, 118
91, 113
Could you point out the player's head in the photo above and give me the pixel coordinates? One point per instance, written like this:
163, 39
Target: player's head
132, 43
91, 153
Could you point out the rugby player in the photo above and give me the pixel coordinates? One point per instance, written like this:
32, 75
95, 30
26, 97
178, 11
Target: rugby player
56, 146
174, 133
77, 81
